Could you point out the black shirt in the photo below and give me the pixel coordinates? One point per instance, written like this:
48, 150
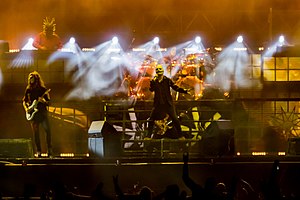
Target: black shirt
32, 94
162, 93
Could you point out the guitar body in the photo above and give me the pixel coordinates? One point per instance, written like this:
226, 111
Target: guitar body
32, 109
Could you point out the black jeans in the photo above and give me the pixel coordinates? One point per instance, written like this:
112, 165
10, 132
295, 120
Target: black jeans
35, 125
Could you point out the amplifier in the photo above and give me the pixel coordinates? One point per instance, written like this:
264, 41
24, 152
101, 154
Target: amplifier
16, 148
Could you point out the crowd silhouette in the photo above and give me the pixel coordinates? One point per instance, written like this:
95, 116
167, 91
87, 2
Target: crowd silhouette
212, 189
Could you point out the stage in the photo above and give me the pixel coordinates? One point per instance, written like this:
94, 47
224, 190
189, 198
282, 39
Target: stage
80, 167
228, 134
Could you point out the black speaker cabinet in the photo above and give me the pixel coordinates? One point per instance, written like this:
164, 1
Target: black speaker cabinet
112, 140
218, 138
104, 139
16, 148
294, 146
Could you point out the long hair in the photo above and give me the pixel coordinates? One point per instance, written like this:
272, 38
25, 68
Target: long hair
38, 80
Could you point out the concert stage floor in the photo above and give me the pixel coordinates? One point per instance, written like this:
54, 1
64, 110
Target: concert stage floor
81, 174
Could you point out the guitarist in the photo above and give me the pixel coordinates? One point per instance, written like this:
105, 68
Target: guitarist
36, 93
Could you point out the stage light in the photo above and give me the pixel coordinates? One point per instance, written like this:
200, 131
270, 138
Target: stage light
281, 40
239, 39
197, 39
162, 49
190, 49
218, 48
259, 153
138, 49
156, 40
28, 45
72, 40
30, 40
115, 40
89, 49
14, 50
67, 155
239, 49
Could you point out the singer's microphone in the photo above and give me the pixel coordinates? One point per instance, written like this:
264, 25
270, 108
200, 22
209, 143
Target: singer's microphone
155, 77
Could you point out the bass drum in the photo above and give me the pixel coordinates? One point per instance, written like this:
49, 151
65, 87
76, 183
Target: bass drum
147, 69
142, 89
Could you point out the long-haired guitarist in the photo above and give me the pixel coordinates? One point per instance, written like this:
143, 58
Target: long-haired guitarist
35, 102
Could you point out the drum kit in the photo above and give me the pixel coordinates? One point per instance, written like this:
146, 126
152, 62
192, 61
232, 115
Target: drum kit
187, 73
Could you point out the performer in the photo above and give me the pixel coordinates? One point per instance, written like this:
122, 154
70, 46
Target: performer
35, 102
48, 39
163, 104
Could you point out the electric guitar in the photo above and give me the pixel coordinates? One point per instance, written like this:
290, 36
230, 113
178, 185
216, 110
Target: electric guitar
32, 109
163, 125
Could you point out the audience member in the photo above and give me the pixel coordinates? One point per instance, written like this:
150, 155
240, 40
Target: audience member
98, 193
239, 189
211, 189
145, 193
172, 192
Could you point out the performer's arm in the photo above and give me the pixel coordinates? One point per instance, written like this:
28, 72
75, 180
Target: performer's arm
177, 88
44, 100
25, 101
190, 183
117, 187
152, 84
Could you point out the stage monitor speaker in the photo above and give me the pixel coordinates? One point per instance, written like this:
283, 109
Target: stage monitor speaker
16, 148
104, 139
218, 138
112, 140
95, 145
